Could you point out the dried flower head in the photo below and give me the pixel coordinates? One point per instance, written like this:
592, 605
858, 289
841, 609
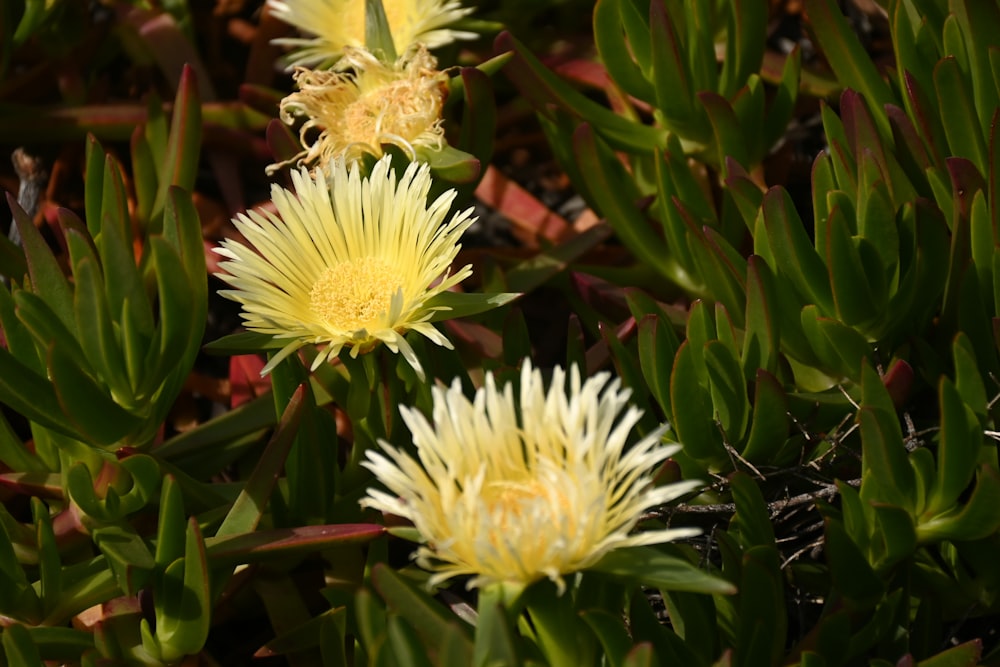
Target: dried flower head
513, 491
335, 24
352, 113
347, 261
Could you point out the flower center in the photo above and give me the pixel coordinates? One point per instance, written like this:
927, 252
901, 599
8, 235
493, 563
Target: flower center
352, 294
523, 503
403, 109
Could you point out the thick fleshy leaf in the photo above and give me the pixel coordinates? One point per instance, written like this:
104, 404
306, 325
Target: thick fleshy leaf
47, 278
184, 142
31, 395
770, 422
278, 543
671, 76
752, 520
101, 420
958, 113
651, 567
728, 390
616, 197
794, 255
542, 88
426, 616
127, 554
964, 655
745, 41
249, 507
958, 449
611, 633
846, 55
182, 602
975, 520
463, 304
853, 577
760, 637
625, 65
691, 406
729, 135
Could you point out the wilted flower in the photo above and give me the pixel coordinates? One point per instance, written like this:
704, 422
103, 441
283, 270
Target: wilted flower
513, 491
339, 23
350, 261
352, 113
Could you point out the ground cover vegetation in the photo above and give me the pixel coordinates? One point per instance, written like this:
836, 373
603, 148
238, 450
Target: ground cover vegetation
422, 332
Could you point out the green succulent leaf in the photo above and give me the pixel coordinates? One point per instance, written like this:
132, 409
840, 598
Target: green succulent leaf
652, 567
452, 305
846, 55
691, 406
543, 88
616, 21
97, 416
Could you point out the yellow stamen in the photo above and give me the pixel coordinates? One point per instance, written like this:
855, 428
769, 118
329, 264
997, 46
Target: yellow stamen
353, 294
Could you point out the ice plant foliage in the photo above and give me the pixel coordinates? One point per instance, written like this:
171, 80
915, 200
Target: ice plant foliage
512, 491
351, 113
347, 261
335, 24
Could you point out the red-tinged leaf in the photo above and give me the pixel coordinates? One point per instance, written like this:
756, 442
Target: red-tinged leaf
976, 520
641, 655
691, 406
847, 57
909, 147
542, 88
479, 117
813, 83
671, 76
888, 476
898, 381
249, 506
245, 380
184, 144
770, 423
47, 278
993, 178
531, 219
958, 113
746, 36
852, 292
616, 196
595, 75
980, 25
730, 137
859, 126
958, 449
728, 390
761, 341
925, 113
431, 620
606, 298
475, 338
260, 98
963, 655
795, 258
284, 542
783, 104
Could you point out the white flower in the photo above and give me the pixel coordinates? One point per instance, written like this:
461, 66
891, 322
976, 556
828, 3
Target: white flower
353, 113
513, 491
349, 262
335, 24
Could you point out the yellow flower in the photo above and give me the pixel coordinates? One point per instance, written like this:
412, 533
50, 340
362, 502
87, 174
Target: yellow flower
348, 261
511, 492
353, 113
339, 23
